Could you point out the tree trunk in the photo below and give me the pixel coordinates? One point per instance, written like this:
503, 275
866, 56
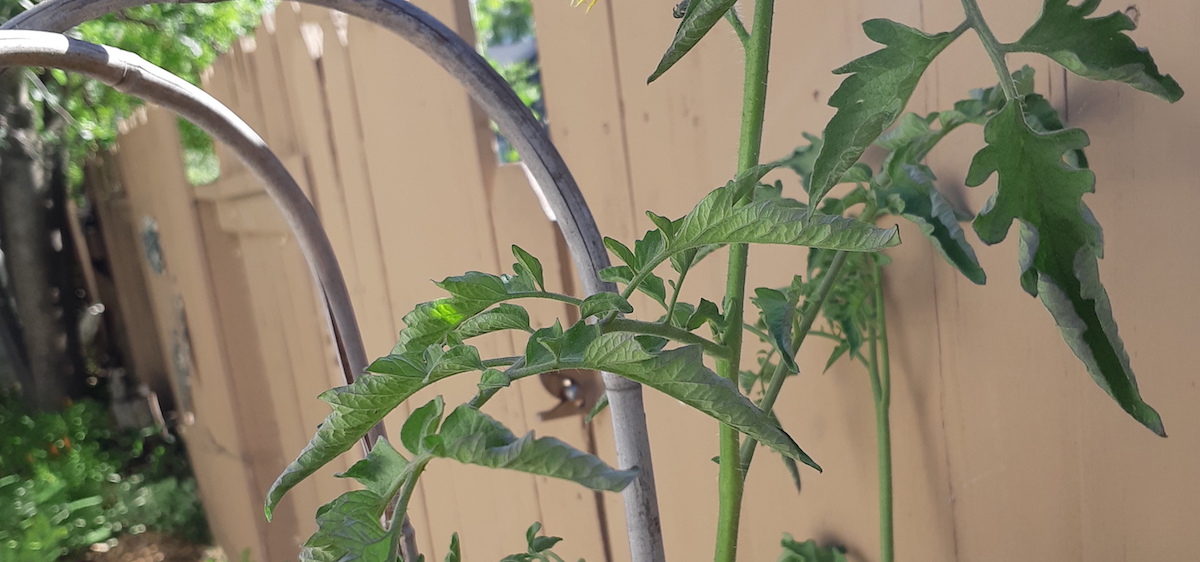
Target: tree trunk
24, 200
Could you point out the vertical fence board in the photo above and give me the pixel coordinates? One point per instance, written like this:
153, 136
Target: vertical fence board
157, 190
421, 121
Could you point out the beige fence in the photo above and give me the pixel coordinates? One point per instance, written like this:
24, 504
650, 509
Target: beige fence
1004, 448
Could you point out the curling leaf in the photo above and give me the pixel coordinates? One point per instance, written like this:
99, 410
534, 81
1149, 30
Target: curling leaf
472, 437
601, 304
530, 264
1096, 48
872, 97
1060, 244
777, 312
701, 16
913, 196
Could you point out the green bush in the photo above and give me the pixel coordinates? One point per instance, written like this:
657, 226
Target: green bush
70, 479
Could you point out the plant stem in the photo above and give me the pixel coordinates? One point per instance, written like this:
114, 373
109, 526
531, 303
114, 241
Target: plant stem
401, 507
738, 27
879, 369
667, 331
731, 481
675, 295
994, 48
545, 295
806, 322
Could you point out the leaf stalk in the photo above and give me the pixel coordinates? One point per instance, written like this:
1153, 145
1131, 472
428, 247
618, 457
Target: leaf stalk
879, 370
806, 322
670, 332
994, 48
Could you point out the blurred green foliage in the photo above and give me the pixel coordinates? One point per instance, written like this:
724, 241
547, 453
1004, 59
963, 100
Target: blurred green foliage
70, 479
182, 38
500, 23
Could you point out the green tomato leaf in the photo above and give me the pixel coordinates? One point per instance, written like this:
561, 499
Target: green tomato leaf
872, 97
601, 404
471, 293
1060, 244
503, 317
600, 304
777, 313
701, 16
707, 311
663, 223
359, 406
803, 158
531, 264
472, 437
808, 551
1096, 48
380, 471
493, 380
421, 423
652, 285
348, 530
717, 220
913, 196
455, 553
679, 373
622, 251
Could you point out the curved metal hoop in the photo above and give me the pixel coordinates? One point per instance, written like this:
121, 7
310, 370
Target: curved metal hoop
132, 75
517, 124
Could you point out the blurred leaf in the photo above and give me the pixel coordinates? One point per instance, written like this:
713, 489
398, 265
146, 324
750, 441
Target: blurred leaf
808, 551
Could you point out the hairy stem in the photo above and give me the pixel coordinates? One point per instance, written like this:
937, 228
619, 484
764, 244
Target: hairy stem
406, 492
675, 295
806, 322
879, 370
731, 481
738, 27
994, 48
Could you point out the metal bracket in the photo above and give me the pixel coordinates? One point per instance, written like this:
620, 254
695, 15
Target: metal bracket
577, 392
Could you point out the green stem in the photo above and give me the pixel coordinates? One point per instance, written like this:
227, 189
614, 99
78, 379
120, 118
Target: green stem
994, 48
410, 484
667, 331
738, 27
806, 323
879, 369
731, 480
545, 295
675, 295
501, 361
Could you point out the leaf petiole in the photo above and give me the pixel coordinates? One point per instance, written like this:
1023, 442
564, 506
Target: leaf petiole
994, 48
